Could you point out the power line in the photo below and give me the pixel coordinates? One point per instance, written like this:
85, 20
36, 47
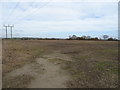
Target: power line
18, 4
11, 26
10, 14
18, 15
32, 12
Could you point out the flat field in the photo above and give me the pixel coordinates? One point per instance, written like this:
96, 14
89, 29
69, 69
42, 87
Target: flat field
60, 64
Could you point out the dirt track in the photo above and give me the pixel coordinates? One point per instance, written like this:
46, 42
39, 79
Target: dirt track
53, 76
46, 73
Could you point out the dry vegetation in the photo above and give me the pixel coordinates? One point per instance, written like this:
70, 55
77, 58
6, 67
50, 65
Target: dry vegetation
94, 63
18, 53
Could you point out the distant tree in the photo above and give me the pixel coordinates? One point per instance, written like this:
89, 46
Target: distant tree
80, 38
88, 37
84, 37
105, 37
96, 38
112, 39
74, 37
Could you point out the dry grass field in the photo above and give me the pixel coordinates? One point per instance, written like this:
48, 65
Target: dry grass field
89, 64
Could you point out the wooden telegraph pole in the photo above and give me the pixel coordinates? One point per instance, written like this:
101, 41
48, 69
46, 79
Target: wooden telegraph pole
11, 27
6, 26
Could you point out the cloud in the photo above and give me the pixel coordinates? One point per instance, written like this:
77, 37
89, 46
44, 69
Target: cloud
62, 0
47, 17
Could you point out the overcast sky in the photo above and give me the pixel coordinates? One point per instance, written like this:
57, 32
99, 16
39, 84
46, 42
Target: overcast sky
50, 18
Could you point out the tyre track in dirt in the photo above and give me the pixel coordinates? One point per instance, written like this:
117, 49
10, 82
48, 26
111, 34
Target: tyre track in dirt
46, 72
54, 76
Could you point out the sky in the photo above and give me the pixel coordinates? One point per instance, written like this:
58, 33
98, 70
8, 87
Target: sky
60, 18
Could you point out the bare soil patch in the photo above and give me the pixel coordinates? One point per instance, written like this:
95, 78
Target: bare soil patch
71, 63
53, 76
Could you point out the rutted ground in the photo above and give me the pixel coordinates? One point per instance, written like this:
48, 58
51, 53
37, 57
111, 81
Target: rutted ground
46, 72
60, 63
54, 76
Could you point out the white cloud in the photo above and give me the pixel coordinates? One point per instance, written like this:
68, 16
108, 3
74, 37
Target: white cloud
61, 0
70, 26
64, 17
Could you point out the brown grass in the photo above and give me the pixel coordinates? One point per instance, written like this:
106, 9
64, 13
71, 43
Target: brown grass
18, 53
20, 81
94, 63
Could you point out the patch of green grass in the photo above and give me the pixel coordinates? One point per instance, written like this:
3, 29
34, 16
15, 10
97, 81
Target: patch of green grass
66, 65
109, 51
38, 52
109, 67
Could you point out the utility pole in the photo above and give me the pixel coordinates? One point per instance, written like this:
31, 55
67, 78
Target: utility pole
6, 26
11, 29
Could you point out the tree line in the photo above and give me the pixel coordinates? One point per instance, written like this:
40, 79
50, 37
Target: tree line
73, 37
104, 37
